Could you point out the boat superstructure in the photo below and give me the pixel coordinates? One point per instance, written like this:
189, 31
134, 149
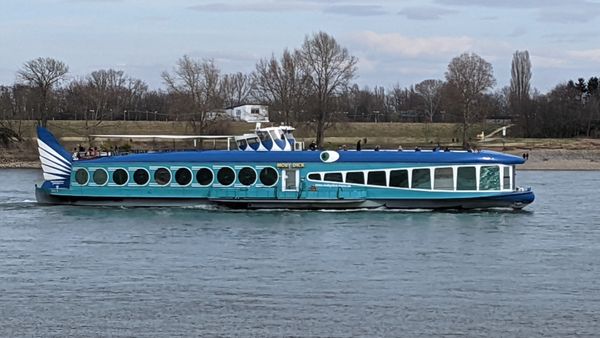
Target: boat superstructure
269, 169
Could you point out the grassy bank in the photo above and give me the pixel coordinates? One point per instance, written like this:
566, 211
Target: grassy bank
544, 153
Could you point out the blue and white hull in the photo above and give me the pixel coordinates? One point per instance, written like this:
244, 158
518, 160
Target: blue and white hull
284, 179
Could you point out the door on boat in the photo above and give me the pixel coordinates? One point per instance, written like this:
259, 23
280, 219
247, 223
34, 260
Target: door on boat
290, 180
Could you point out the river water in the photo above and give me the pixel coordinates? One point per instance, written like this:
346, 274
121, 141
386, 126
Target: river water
79, 271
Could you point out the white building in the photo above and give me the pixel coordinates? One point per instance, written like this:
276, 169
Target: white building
249, 113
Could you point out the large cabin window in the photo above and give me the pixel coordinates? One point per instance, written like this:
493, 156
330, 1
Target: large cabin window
489, 178
268, 176
443, 179
357, 177
333, 177
247, 176
466, 178
314, 177
399, 178
377, 178
421, 179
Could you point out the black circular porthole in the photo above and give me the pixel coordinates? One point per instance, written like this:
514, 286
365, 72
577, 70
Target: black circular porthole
324, 156
141, 177
100, 177
226, 176
162, 176
268, 176
183, 176
82, 176
204, 176
120, 176
247, 176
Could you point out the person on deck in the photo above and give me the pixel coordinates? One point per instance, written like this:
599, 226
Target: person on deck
358, 145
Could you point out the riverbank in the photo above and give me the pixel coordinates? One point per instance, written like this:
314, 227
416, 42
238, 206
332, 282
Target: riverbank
539, 159
544, 154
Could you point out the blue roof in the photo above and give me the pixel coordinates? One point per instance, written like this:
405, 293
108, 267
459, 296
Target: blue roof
223, 156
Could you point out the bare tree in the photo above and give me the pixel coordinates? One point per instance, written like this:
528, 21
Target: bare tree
282, 84
197, 84
431, 93
471, 76
236, 88
329, 68
43, 74
520, 89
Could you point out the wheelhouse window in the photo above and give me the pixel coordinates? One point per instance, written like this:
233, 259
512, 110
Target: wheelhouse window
333, 177
120, 176
204, 176
162, 176
226, 176
443, 179
489, 178
183, 176
100, 177
399, 178
377, 178
247, 176
421, 179
82, 176
268, 176
314, 177
356, 177
141, 177
466, 178
255, 111
263, 135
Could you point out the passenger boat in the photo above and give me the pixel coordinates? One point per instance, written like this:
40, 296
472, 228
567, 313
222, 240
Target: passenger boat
269, 169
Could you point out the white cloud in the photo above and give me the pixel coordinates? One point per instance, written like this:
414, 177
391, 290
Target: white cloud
425, 12
591, 55
399, 45
538, 61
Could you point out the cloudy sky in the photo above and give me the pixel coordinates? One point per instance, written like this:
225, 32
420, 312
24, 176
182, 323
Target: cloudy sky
397, 41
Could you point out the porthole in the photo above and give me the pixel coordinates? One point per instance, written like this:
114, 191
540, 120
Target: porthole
226, 176
329, 156
162, 176
82, 176
204, 176
141, 177
100, 177
268, 176
183, 176
247, 176
120, 176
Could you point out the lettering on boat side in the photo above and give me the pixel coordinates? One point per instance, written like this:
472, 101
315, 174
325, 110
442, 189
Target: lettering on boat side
290, 165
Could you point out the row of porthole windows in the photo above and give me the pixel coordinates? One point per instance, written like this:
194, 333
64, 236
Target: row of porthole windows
226, 176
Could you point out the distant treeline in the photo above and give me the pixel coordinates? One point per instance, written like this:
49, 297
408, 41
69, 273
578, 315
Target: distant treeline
313, 85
